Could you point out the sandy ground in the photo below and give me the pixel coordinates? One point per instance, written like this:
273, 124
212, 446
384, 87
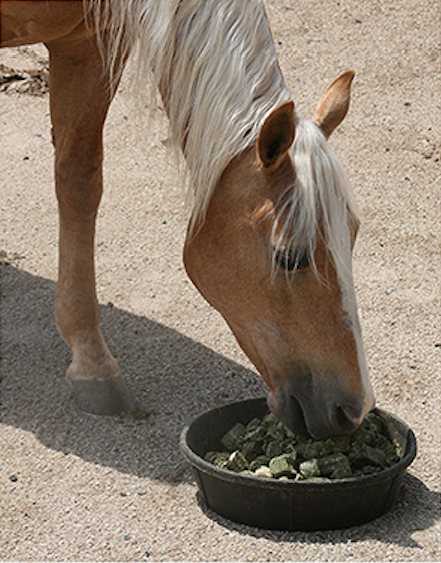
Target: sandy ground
79, 488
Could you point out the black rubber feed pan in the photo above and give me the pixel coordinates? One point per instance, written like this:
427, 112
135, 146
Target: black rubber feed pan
289, 505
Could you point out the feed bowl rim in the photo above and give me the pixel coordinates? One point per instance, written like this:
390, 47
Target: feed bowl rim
204, 466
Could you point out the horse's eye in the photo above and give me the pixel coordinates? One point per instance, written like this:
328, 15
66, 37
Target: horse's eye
290, 260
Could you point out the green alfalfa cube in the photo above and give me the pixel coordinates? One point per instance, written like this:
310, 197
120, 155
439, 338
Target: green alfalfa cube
310, 468
237, 462
335, 466
283, 465
233, 439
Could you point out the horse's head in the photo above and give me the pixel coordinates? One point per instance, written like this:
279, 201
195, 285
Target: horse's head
274, 257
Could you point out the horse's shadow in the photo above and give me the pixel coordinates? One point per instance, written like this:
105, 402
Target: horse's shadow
172, 377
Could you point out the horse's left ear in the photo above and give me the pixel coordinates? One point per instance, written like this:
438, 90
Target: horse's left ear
334, 104
276, 135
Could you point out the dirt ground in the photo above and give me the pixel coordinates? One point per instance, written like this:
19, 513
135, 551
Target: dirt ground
80, 488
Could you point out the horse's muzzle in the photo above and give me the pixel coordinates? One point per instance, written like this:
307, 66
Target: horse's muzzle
319, 421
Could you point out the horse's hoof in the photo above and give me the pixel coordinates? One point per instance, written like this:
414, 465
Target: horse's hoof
106, 395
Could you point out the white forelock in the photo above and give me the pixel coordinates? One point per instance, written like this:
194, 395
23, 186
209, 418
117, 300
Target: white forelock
319, 202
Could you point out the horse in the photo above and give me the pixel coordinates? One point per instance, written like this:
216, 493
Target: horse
272, 220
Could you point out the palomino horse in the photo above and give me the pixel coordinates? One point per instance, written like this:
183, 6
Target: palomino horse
272, 223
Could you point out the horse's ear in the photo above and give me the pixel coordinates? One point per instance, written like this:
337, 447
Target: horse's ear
276, 135
334, 104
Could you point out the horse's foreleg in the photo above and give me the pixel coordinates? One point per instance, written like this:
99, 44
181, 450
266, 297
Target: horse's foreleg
79, 102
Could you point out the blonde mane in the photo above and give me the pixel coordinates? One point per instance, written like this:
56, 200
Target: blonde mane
215, 65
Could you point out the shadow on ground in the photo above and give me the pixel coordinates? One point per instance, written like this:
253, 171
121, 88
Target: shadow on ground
172, 377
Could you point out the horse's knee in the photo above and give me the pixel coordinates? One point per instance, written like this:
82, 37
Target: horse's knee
78, 181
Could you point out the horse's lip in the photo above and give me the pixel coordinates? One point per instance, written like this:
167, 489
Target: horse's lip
298, 420
290, 412
303, 424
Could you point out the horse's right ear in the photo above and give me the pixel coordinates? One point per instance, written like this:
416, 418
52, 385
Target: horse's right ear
276, 135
